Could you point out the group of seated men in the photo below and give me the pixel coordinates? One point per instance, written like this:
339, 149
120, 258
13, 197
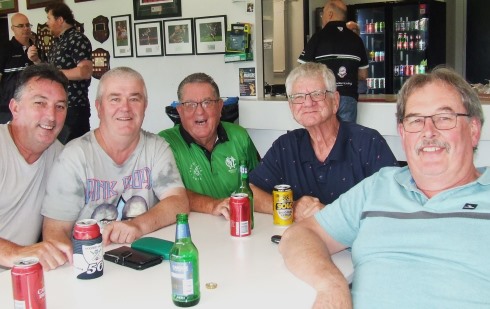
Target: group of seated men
135, 182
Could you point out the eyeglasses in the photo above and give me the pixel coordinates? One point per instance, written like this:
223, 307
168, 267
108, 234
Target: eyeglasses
442, 121
22, 26
315, 96
192, 106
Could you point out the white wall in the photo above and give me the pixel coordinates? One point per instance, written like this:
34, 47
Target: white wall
162, 74
293, 14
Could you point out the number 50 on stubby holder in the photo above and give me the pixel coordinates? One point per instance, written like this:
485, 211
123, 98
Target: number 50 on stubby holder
88, 254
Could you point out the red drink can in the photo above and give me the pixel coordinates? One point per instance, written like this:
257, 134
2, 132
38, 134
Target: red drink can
88, 254
240, 224
411, 69
28, 284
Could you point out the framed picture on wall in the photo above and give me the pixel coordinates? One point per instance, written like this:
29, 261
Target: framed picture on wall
8, 6
152, 9
122, 38
179, 37
34, 4
148, 39
210, 33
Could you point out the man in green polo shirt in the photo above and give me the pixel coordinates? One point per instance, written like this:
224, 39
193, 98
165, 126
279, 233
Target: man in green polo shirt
208, 151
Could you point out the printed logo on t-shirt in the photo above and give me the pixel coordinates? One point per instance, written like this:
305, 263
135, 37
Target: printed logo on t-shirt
195, 171
469, 206
231, 164
342, 72
105, 213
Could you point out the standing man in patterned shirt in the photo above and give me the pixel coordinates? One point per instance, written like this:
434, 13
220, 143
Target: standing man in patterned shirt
13, 60
71, 52
343, 52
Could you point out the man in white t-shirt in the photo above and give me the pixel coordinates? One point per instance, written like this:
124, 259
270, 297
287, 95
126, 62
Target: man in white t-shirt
118, 174
28, 150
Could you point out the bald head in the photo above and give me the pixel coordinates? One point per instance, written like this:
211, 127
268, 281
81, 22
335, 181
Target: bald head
334, 10
21, 27
18, 17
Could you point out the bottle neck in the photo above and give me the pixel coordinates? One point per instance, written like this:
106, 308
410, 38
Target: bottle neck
244, 173
182, 232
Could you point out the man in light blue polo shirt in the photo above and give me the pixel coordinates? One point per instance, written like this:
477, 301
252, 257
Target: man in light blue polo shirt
419, 234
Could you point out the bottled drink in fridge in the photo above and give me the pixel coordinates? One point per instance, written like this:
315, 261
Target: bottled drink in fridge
245, 188
184, 266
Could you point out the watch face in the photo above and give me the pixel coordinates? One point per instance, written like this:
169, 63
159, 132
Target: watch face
100, 61
101, 28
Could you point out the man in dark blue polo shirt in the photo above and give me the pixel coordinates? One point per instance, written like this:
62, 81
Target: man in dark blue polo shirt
327, 157
343, 52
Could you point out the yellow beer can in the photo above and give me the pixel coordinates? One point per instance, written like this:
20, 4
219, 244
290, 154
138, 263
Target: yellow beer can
282, 208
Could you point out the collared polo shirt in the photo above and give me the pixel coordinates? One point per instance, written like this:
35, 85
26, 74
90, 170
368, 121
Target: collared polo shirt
342, 51
214, 173
411, 251
358, 152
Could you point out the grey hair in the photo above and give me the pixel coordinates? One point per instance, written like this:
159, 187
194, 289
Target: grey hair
311, 69
197, 78
118, 72
469, 97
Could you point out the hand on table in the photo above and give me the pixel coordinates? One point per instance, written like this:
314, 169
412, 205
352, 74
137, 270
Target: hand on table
305, 207
222, 208
51, 255
120, 232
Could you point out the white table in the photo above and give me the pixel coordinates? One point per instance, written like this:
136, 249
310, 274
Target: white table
249, 272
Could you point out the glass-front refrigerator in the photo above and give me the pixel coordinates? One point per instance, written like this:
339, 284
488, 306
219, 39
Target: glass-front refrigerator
401, 39
418, 39
372, 24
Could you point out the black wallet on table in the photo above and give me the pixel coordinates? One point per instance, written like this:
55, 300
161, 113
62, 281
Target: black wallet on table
132, 258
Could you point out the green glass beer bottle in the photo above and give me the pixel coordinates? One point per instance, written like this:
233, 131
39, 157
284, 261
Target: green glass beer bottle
184, 266
245, 188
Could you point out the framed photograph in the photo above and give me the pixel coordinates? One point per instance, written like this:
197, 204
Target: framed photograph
8, 6
122, 38
179, 37
34, 4
152, 9
148, 39
210, 33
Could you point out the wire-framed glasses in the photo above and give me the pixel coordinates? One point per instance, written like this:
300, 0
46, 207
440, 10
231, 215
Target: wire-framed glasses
315, 96
442, 121
192, 106
22, 26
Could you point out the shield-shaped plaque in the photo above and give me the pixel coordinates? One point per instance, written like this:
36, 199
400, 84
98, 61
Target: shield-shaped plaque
100, 24
43, 40
100, 61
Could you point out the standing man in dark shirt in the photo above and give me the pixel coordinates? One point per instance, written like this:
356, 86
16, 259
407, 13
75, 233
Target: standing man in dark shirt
343, 52
13, 60
71, 52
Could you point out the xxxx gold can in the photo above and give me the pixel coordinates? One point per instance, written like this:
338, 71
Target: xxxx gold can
282, 205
